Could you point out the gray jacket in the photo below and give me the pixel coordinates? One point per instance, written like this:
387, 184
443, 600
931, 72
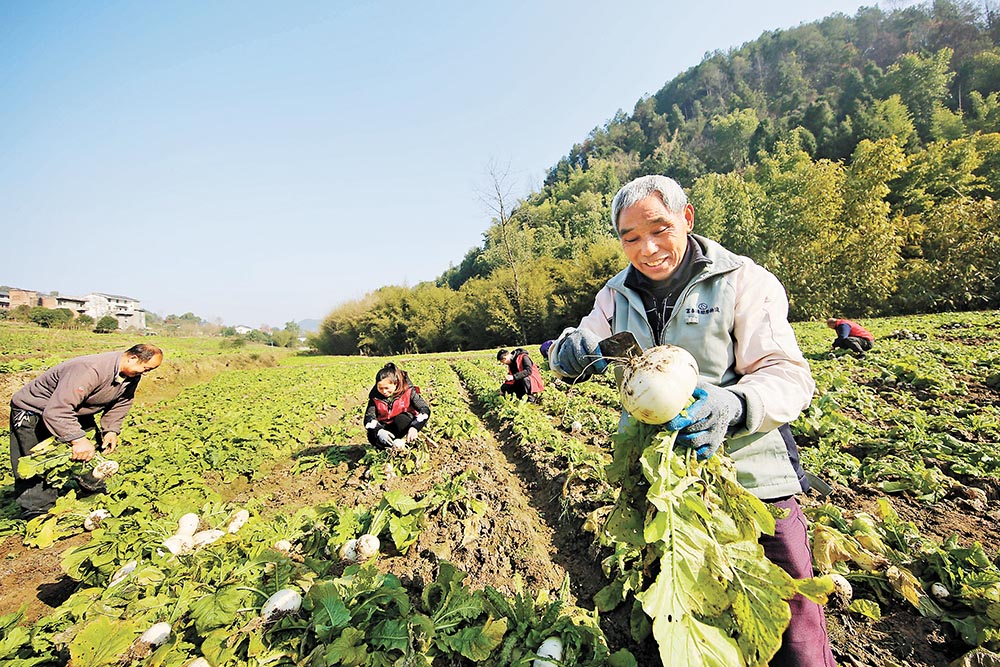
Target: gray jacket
733, 318
77, 388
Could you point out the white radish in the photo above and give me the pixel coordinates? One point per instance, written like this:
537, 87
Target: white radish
349, 552
95, 519
367, 547
155, 636
188, 524
238, 520
199, 662
206, 537
842, 588
283, 546
940, 591
105, 469
575, 427
179, 544
284, 602
657, 385
125, 570
550, 648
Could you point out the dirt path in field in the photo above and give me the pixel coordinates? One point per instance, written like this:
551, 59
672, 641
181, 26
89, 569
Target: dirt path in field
509, 540
33, 579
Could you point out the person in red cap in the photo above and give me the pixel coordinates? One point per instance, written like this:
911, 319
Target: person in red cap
851, 336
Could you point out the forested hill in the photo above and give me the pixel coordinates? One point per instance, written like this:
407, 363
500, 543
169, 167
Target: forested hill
857, 158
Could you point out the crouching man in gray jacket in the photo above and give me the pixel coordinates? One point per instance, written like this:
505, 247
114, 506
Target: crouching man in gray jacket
62, 402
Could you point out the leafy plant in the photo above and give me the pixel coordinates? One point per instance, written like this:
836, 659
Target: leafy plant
697, 570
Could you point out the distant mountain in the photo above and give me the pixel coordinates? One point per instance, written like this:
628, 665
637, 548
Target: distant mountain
310, 326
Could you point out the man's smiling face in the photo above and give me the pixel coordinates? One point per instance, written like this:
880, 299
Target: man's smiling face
654, 238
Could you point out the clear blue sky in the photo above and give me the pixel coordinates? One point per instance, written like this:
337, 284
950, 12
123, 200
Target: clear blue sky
264, 162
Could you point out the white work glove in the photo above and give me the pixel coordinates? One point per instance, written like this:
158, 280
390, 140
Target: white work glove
385, 437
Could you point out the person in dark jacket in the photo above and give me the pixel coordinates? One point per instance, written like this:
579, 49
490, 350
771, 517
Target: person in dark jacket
62, 402
851, 336
396, 411
523, 377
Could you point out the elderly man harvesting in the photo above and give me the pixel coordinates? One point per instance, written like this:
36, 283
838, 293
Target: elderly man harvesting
732, 315
62, 402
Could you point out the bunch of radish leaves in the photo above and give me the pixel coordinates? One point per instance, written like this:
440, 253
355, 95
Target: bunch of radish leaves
685, 534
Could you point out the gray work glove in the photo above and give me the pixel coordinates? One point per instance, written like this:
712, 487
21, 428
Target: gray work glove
716, 413
385, 437
579, 354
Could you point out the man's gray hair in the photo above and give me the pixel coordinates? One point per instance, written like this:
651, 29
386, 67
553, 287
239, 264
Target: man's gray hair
638, 189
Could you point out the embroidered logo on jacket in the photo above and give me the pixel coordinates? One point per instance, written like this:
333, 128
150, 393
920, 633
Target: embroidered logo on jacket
702, 309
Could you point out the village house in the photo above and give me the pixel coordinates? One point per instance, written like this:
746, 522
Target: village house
126, 310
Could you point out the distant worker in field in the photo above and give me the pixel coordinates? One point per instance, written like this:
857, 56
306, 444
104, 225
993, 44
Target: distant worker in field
62, 402
544, 349
731, 314
851, 336
523, 377
396, 411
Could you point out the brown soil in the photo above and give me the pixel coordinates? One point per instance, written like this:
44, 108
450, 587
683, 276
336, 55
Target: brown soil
32, 579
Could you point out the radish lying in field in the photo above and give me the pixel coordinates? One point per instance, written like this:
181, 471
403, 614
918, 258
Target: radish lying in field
360, 550
238, 521
155, 636
550, 648
188, 537
95, 518
284, 602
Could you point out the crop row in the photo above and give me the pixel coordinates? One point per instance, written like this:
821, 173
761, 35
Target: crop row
533, 430
915, 416
27, 347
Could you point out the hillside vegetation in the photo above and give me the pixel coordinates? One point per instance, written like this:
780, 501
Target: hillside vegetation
857, 158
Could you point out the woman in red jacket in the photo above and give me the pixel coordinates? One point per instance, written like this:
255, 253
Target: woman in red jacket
396, 410
523, 378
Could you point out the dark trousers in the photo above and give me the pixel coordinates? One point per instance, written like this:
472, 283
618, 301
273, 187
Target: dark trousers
854, 344
399, 426
34, 495
519, 388
805, 642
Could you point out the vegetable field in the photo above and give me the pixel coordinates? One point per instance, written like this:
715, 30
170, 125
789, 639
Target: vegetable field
490, 527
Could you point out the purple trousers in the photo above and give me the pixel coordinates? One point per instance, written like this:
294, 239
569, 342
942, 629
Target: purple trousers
805, 643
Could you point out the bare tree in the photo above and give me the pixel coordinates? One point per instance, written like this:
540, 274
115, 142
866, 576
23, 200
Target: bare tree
499, 201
